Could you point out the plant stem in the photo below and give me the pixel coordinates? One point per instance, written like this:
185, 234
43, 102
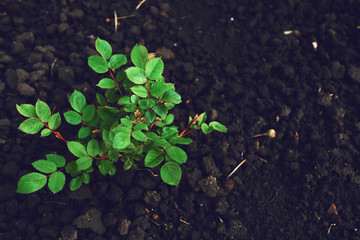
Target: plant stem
117, 84
57, 134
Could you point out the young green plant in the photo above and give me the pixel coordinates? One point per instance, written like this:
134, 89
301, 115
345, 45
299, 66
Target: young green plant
133, 128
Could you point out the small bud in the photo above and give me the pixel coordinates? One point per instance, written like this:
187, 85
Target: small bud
271, 133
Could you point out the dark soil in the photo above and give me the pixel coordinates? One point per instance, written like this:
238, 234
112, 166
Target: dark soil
232, 60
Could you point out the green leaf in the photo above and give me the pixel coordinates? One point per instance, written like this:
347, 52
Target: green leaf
88, 113
76, 148
75, 183
176, 140
139, 56
72, 117
101, 99
114, 154
126, 122
134, 99
31, 125
158, 88
218, 126
103, 47
140, 126
150, 116
154, 68
139, 90
124, 100
106, 83
84, 132
130, 108
170, 173
77, 101
57, 159
44, 166
45, 132
121, 140
98, 64
202, 118
106, 139
55, 121
169, 119
104, 167
42, 111
206, 129
84, 163
121, 75
136, 75
117, 60
177, 154
162, 143
171, 97
112, 170
144, 104
71, 168
31, 182
139, 135
85, 177
160, 109
168, 132
154, 157
27, 110
56, 182
105, 114
152, 135
93, 148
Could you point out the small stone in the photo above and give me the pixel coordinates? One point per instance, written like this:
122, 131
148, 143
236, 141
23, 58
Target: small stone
66, 74
354, 73
36, 75
166, 53
124, 227
77, 14
63, 27
91, 220
154, 10
134, 30
209, 186
21, 75
6, 59
338, 70
210, 167
152, 198
236, 229
27, 37
68, 233
25, 89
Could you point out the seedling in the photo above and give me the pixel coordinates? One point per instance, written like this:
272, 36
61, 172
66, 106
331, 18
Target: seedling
271, 133
122, 130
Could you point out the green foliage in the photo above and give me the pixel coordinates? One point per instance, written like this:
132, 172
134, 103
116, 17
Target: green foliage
135, 128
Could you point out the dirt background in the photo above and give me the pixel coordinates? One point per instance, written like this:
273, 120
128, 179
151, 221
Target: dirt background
232, 59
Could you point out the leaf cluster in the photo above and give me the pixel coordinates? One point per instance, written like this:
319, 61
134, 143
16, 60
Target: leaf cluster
132, 129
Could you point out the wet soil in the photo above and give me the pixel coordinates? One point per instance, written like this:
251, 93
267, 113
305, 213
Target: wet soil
292, 66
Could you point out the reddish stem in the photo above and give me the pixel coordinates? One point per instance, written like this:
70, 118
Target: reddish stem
57, 134
117, 84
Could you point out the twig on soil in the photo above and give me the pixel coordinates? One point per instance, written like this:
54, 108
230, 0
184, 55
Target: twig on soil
52, 69
333, 224
237, 167
155, 175
277, 192
153, 221
184, 221
139, 5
